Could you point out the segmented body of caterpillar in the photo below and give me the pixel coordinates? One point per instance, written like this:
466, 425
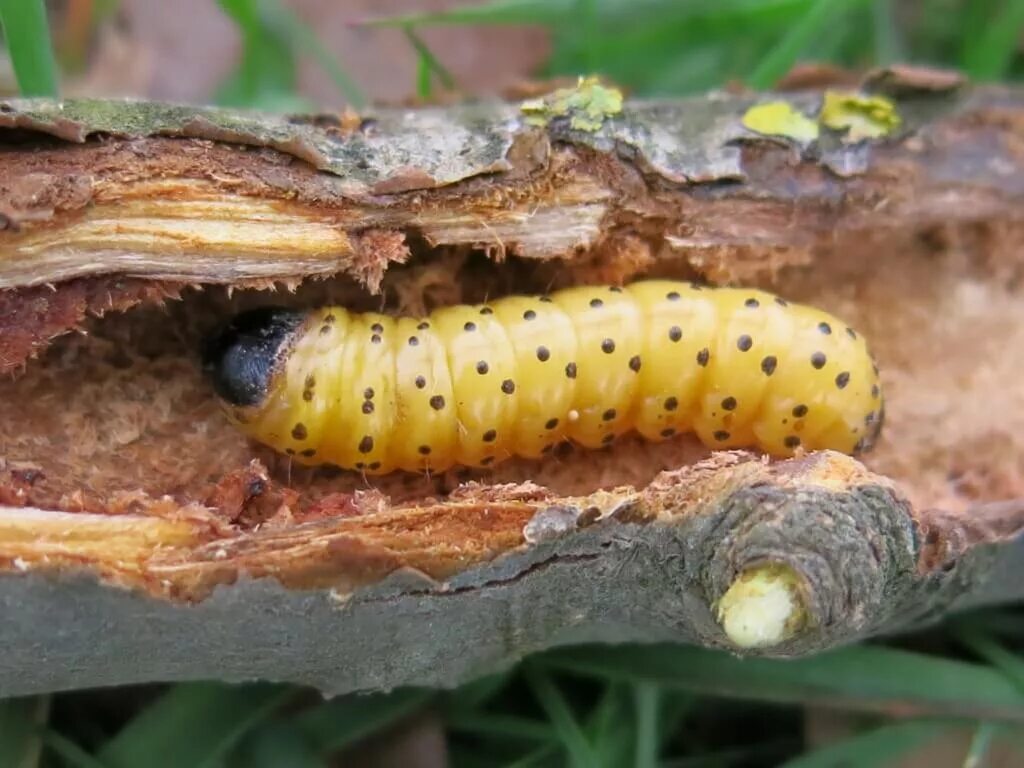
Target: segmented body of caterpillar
473, 385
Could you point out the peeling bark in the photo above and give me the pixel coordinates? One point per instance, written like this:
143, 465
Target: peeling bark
123, 560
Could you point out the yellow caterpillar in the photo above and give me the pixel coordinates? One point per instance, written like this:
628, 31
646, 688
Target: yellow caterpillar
473, 385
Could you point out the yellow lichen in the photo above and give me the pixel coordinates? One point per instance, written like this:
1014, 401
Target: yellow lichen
859, 115
778, 118
587, 105
763, 607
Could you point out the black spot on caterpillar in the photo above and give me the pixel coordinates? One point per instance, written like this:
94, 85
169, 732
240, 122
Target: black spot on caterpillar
738, 367
239, 360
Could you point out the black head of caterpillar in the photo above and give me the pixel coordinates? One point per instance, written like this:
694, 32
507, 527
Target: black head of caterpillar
241, 358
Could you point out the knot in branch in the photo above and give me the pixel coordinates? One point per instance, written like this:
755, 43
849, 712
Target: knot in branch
792, 568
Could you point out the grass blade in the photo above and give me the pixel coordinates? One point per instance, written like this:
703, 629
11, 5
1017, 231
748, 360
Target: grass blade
20, 742
980, 743
787, 51
423, 79
567, 13
337, 723
69, 752
29, 46
888, 43
878, 747
609, 729
988, 56
427, 65
867, 678
646, 705
305, 39
193, 724
266, 74
557, 710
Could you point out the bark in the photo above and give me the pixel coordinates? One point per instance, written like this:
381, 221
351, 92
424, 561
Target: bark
125, 563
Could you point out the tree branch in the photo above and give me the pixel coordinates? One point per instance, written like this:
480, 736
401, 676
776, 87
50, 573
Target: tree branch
123, 563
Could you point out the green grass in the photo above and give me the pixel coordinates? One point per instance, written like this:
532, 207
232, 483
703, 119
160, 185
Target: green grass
672, 47
652, 47
578, 748
27, 37
215, 717
273, 38
594, 706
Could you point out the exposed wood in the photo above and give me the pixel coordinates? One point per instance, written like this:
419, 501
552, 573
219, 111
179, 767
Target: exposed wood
138, 542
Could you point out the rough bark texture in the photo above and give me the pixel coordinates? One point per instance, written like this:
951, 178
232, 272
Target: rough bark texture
142, 539
624, 566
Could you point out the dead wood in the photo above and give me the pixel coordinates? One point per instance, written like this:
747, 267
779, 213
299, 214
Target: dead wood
141, 538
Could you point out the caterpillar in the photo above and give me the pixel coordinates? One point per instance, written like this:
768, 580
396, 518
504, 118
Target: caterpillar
474, 385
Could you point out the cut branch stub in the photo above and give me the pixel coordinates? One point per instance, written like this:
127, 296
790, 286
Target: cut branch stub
764, 606
841, 537
845, 540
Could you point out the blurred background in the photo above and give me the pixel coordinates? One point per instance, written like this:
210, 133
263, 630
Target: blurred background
952, 696
325, 53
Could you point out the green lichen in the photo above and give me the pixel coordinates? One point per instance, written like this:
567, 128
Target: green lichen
858, 115
587, 105
779, 118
